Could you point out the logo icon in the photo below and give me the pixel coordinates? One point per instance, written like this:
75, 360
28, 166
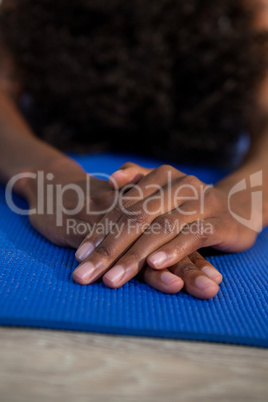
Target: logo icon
255, 220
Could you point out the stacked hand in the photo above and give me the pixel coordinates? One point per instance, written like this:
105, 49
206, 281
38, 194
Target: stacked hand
146, 222
156, 227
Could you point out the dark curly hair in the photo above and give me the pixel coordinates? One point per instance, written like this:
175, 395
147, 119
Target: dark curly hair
169, 78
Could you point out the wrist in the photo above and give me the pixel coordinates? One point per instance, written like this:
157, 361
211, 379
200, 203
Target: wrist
62, 170
240, 186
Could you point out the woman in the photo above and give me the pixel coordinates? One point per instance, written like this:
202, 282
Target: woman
182, 80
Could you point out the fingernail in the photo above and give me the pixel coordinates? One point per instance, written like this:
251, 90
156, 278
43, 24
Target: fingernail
211, 272
115, 274
167, 278
158, 259
84, 272
203, 282
84, 251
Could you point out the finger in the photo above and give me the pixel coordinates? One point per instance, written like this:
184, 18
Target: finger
144, 189
120, 239
110, 249
75, 231
163, 280
196, 282
129, 173
133, 261
163, 229
169, 282
201, 263
155, 238
198, 234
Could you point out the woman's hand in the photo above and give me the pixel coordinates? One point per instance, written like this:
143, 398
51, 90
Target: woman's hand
63, 229
184, 274
157, 223
67, 200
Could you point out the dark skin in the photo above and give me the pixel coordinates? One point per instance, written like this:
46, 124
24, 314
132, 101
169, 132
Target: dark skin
117, 260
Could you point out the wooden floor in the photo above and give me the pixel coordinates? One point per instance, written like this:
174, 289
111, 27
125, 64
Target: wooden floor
40, 365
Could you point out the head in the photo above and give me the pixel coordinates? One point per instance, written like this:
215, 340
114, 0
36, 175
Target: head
168, 77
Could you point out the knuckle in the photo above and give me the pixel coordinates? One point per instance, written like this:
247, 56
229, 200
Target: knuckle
164, 169
120, 209
195, 257
201, 234
191, 180
104, 251
127, 165
165, 223
133, 256
188, 267
127, 203
117, 210
137, 217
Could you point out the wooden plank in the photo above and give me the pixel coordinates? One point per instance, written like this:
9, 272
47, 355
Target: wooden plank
42, 365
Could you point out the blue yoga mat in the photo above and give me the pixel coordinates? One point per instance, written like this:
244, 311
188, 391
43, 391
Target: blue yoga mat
37, 290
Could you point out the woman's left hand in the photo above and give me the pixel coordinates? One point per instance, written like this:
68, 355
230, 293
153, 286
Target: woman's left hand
156, 228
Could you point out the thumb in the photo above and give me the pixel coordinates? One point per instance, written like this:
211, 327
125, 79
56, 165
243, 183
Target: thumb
129, 173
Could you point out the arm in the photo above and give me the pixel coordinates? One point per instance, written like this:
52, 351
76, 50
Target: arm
169, 250
233, 226
254, 170
21, 152
256, 159
20, 149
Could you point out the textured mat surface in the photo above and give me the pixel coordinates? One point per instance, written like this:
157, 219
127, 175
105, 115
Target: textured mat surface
36, 287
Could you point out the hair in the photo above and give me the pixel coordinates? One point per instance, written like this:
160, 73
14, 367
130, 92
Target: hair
168, 78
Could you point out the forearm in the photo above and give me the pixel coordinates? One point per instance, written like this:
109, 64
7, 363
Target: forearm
20, 149
255, 161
